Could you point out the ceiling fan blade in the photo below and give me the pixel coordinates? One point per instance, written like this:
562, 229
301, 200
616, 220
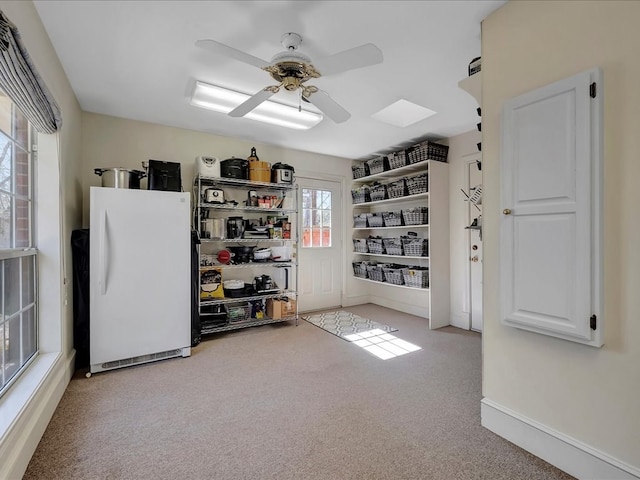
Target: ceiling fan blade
227, 51
252, 102
357, 57
329, 106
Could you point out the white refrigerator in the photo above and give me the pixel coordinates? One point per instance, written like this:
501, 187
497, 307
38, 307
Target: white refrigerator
140, 277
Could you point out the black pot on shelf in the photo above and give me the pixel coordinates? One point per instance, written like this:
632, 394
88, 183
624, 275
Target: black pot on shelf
242, 254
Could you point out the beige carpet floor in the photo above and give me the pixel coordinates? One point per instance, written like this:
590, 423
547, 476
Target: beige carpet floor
287, 402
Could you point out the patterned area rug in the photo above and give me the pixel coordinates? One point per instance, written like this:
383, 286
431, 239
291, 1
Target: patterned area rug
343, 323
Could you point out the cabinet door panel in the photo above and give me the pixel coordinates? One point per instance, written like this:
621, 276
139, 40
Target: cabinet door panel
550, 191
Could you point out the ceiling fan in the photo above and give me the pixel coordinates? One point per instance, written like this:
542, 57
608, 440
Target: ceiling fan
292, 68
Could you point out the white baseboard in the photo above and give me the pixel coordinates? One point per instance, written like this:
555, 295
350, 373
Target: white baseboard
34, 402
562, 451
418, 311
351, 300
461, 321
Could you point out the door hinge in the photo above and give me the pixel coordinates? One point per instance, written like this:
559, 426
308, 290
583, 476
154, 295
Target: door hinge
592, 322
592, 90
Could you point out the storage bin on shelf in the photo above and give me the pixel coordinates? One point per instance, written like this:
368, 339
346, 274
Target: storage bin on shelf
360, 170
360, 245
427, 151
393, 274
416, 277
360, 269
360, 220
392, 219
397, 160
397, 189
378, 165
415, 247
361, 194
375, 245
393, 246
238, 312
375, 271
375, 220
418, 184
416, 216
377, 192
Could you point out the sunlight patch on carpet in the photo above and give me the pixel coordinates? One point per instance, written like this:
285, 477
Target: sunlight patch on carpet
372, 336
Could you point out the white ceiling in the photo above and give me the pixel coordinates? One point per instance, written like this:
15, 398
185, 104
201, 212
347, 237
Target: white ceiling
137, 60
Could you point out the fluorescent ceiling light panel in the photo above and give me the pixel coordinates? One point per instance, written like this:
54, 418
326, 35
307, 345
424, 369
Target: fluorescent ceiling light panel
402, 113
224, 100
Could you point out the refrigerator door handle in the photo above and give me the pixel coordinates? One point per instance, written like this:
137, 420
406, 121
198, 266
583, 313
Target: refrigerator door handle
103, 253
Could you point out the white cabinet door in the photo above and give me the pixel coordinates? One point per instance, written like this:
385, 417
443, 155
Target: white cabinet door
551, 194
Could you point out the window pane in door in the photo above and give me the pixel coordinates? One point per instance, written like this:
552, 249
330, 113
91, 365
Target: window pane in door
317, 212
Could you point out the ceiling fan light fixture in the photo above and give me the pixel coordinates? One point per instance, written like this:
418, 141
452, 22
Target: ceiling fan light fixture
220, 99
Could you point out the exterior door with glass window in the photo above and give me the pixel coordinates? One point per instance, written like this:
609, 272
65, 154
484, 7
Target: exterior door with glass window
320, 252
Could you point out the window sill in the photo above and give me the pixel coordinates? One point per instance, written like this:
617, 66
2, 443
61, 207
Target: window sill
14, 402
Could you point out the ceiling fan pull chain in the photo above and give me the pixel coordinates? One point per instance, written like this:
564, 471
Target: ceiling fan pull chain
300, 101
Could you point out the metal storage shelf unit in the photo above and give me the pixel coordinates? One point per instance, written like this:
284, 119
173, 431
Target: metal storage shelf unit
233, 190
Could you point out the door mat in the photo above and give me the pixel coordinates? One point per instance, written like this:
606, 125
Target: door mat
343, 323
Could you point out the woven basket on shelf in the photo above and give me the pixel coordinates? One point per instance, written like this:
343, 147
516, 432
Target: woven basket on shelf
361, 194
360, 269
418, 184
375, 220
393, 246
378, 192
375, 246
393, 275
416, 277
427, 151
392, 219
378, 165
360, 245
360, 221
397, 160
360, 170
376, 272
397, 189
415, 247
416, 216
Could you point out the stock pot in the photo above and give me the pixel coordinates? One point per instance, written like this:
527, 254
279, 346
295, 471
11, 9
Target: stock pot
119, 177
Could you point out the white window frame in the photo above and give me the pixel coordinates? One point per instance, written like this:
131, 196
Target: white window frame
22, 252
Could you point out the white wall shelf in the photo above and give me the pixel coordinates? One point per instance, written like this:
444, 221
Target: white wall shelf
435, 303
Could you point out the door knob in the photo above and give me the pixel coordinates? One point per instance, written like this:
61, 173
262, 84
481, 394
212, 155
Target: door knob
506, 211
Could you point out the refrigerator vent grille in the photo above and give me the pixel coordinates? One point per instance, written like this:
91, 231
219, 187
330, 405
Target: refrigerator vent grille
152, 357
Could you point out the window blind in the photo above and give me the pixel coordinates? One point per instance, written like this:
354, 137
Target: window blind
20, 81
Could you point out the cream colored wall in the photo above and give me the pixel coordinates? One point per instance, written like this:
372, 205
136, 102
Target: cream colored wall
586, 393
28, 407
462, 149
117, 142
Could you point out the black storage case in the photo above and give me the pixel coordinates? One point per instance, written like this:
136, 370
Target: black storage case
164, 176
